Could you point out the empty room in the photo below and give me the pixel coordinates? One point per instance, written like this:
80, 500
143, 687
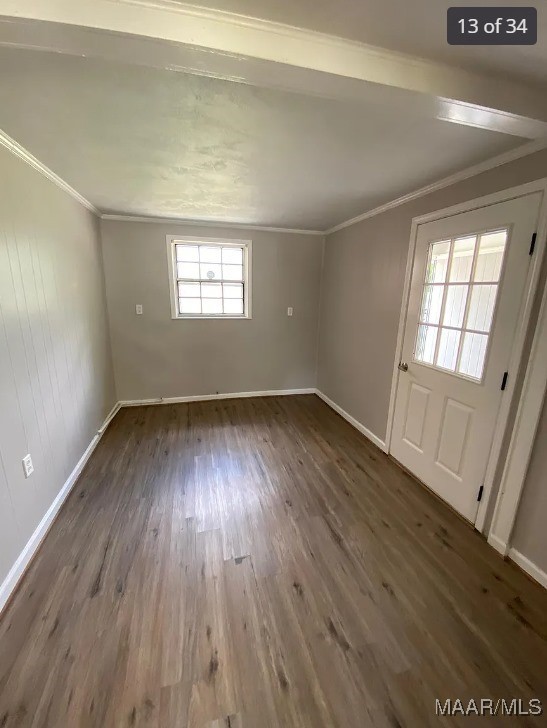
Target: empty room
273, 363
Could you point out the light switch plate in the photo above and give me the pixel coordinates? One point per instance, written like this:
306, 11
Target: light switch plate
289, 311
28, 467
138, 309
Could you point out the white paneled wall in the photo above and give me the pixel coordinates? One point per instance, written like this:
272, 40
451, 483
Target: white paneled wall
56, 381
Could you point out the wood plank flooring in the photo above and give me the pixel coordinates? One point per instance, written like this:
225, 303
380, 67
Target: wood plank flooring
257, 563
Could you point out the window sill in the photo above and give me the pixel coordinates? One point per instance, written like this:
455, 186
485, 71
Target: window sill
211, 318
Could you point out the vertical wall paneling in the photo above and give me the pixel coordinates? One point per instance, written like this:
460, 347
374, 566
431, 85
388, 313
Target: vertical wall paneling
56, 379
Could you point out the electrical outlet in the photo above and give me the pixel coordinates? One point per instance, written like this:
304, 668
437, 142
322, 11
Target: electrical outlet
28, 467
138, 309
289, 311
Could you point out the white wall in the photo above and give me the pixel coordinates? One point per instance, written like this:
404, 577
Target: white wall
156, 356
56, 379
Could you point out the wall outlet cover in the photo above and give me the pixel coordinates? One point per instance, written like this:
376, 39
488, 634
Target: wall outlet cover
28, 467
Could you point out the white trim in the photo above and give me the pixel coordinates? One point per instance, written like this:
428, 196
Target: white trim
218, 33
27, 554
512, 155
500, 546
207, 224
524, 433
12, 146
110, 416
529, 567
358, 426
515, 364
247, 246
510, 193
497, 161
209, 397
401, 332
533, 279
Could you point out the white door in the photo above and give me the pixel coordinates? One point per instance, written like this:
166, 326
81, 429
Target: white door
468, 285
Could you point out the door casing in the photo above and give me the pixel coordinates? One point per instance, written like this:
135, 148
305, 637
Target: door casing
524, 321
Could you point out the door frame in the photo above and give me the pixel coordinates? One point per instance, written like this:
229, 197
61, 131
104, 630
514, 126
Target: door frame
524, 436
529, 411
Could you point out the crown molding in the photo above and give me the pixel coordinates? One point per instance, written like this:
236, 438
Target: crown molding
513, 154
206, 223
522, 151
12, 146
498, 161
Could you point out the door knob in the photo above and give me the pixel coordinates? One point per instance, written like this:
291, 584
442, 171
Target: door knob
403, 366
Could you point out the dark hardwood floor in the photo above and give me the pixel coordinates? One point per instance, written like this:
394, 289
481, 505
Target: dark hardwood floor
258, 563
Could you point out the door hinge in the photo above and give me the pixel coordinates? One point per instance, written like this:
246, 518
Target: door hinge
504, 381
479, 496
533, 243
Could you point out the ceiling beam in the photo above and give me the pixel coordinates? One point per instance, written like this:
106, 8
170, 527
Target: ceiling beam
172, 35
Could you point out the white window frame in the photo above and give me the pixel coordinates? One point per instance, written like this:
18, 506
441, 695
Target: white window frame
173, 240
463, 329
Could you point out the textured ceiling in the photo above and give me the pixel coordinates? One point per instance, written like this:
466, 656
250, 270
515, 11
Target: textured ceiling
417, 27
149, 142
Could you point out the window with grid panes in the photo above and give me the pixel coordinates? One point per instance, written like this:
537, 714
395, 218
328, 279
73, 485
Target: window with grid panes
210, 279
459, 298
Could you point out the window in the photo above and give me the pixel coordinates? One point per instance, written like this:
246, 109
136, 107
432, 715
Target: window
458, 302
209, 278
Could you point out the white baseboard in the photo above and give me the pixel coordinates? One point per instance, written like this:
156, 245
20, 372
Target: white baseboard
496, 543
529, 567
110, 416
25, 557
207, 397
358, 426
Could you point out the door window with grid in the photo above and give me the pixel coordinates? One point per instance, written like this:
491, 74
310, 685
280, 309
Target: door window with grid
209, 279
458, 302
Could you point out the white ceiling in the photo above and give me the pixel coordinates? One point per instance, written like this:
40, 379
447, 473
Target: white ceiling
417, 27
142, 141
